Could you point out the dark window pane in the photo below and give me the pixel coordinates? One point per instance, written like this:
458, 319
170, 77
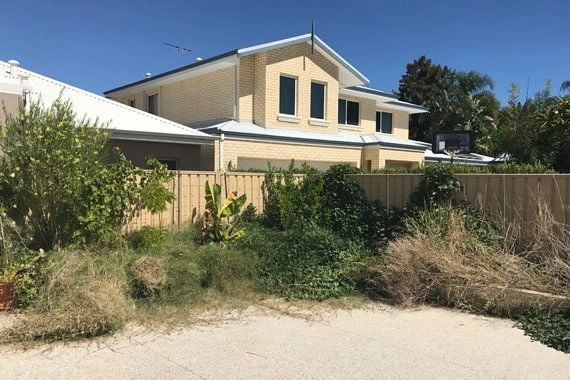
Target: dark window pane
317, 100
287, 96
386, 122
170, 164
153, 104
352, 113
378, 121
342, 111
132, 103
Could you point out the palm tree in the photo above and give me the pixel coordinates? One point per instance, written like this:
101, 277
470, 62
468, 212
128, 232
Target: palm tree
565, 86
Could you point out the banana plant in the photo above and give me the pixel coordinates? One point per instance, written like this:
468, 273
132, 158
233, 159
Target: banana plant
219, 217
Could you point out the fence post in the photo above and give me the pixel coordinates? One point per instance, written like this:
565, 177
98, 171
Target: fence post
387, 192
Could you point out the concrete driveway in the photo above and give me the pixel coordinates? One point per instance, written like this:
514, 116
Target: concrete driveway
376, 342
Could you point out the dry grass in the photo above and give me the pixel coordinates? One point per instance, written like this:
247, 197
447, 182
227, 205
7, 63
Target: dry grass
150, 273
546, 242
446, 260
84, 297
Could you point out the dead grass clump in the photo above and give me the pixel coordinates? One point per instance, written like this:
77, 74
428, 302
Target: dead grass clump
545, 241
84, 297
445, 260
149, 273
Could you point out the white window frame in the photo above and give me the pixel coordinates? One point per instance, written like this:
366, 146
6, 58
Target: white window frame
325, 96
345, 124
392, 126
157, 103
286, 116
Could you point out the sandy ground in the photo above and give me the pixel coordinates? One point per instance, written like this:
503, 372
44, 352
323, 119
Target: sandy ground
376, 342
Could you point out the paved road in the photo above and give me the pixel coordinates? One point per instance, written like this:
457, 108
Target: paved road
379, 342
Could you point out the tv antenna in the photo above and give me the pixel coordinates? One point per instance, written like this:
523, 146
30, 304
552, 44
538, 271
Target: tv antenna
181, 49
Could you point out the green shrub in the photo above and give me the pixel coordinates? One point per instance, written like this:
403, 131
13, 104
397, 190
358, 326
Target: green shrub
438, 185
147, 237
61, 182
307, 262
502, 168
331, 200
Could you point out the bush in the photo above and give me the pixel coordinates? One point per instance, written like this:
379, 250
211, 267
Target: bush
502, 168
146, 238
438, 185
61, 182
331, 200
308, 262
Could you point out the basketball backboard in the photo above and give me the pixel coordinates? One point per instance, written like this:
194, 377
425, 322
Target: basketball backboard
453, 142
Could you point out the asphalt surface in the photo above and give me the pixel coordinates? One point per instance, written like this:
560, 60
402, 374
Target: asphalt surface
377, 342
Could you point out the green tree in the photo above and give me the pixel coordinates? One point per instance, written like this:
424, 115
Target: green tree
62, 184
456, 101
536, 130
565, 86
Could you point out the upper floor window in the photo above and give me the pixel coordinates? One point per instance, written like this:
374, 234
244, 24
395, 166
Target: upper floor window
152, 104
348, 112
318, 100
287, 95
384, 122
132, 103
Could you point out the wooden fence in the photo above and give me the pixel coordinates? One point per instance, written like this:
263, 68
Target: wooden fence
507, 195
189, 189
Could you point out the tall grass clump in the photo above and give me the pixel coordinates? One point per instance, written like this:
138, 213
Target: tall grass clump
452, 256
84, 296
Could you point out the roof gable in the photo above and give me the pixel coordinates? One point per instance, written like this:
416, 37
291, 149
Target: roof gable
348, 74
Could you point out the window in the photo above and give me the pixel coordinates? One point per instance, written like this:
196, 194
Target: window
348, 112
132, 103
170, 163
384, 122
317, 100
152, 104
287, 94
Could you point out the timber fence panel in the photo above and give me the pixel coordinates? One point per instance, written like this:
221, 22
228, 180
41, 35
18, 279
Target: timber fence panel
509, 196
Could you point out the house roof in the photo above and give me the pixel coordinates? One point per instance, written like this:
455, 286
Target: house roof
250, 130
348, 74
124, 122
383, 99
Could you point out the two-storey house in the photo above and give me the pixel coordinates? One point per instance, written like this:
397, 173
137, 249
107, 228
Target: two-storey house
290, 99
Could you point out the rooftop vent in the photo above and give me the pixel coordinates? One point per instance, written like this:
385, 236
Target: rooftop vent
148, 75
13, 66
199, 59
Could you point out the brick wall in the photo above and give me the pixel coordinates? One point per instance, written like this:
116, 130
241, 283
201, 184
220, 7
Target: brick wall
192, 101
234, 149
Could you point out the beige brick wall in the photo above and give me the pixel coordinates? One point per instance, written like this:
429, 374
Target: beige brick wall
264, 69
234, 149
192, 101
400, 155
259, 89
367, 115
246, 88
368, 109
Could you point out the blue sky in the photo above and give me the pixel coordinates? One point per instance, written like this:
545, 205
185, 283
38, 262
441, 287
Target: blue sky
98, 45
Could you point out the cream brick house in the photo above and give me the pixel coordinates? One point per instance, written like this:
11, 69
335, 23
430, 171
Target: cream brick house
289, 99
